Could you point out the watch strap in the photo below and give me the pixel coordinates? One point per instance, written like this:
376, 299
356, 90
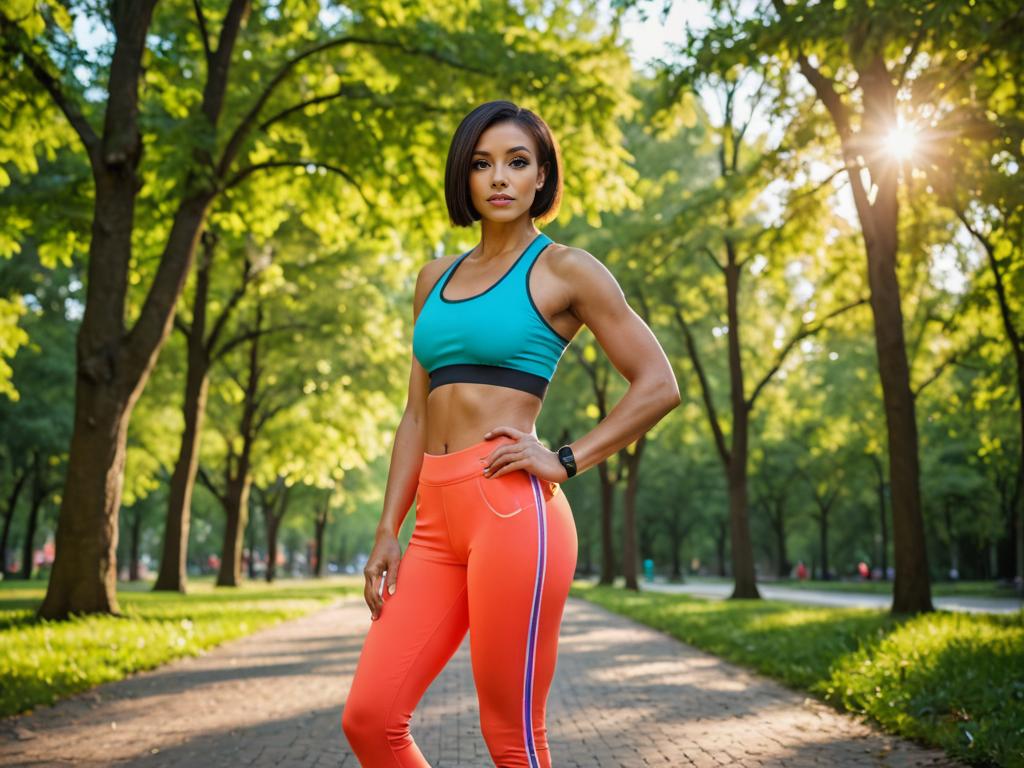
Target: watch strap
565, 455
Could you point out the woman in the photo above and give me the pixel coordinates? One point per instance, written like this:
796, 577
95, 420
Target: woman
493, 550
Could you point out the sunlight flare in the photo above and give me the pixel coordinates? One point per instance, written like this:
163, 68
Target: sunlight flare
902, 141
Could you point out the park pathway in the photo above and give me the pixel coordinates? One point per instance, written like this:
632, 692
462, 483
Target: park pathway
623, 695
721, 589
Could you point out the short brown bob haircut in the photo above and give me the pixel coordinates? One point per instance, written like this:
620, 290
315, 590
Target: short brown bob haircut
460, 155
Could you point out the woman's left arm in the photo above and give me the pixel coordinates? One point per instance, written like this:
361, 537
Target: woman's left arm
598, 301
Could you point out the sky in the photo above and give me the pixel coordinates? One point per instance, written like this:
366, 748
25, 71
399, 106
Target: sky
649, 40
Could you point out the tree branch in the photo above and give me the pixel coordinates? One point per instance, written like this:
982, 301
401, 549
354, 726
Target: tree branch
240, 176
245, 126
805, 331
817, 187
353, 89
15, 41
182, 326
912, 54
201, 20
705, 388
220, 62
951, 359
229, 306
755, 101
255, 333
990, 253
714, 259
206, 480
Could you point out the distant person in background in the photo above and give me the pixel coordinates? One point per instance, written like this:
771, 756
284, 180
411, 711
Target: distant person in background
494, 547
801, 571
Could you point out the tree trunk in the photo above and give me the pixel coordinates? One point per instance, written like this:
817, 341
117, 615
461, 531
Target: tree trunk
39, 494
879, 220
236, 507
273, 514
631, 461
883, 522
321, 527
289, 563
28, 545
114, 364
607, 526
779, 524
12, 503
951, 540
823, 513
588, 551
912, 587
136, 537
742, 551
250, 561
271, 530
720, 541
238, 480
173, 575
1017, 497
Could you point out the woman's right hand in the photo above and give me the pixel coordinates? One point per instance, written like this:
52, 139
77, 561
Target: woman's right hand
385, 557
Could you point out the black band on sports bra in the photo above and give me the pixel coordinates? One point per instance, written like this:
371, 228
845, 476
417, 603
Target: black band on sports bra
489, 374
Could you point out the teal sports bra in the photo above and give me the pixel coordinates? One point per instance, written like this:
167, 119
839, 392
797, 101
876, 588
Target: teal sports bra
496, 337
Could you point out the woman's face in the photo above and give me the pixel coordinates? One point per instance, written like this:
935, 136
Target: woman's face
504, 163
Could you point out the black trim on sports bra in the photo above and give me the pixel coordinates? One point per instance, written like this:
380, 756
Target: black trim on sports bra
439, 277
534, 304
493, 286
478, 373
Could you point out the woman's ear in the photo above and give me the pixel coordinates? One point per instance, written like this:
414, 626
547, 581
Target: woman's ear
543, 175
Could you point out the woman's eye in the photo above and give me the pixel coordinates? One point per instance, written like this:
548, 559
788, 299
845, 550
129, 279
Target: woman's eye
476, 163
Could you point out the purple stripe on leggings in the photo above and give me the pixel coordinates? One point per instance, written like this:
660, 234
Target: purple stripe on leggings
531, 647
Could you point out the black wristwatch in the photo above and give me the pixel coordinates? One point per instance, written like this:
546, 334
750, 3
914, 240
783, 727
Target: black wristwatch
568, 460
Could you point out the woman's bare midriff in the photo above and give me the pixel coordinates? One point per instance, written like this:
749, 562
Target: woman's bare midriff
460, 414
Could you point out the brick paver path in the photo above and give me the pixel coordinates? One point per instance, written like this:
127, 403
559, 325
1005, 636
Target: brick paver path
623, 695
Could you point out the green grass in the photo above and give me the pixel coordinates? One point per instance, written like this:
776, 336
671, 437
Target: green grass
952, 680
41, 661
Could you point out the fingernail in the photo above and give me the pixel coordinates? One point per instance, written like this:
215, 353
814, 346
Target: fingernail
391, 589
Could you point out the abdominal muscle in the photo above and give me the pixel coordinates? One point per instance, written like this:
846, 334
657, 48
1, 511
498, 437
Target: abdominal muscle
460, 414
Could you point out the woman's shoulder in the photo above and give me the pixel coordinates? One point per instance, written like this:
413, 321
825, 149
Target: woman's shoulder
434, 268
568, 261
428, 276
585, 278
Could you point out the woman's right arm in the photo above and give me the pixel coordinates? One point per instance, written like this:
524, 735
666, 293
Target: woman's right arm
406, 459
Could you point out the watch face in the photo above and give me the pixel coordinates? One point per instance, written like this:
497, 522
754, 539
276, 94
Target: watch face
567, 459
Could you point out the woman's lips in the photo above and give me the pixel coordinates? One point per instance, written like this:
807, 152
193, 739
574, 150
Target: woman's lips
501, 202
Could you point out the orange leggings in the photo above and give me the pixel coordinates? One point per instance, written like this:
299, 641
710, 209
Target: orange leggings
494, 556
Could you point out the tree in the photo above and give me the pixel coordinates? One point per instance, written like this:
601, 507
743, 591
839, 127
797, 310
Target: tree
860, 58
36, 424
975, 174
722, 225
207, 139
